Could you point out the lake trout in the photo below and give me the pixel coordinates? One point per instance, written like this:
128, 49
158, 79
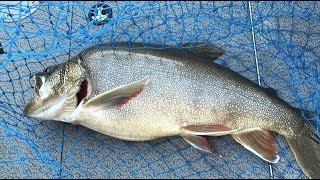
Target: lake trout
140, 94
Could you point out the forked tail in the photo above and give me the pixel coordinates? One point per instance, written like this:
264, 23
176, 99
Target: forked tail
306, 149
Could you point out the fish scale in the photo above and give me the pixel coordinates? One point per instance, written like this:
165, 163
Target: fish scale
172, 75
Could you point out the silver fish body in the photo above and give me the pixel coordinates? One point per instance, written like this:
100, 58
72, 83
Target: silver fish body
144, 94
183, 90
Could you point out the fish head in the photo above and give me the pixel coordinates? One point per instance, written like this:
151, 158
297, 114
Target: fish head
55, 91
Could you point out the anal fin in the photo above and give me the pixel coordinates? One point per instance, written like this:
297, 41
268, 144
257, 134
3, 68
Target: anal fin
260, 142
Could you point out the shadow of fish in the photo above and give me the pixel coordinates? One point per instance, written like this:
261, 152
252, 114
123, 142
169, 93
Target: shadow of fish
141, 94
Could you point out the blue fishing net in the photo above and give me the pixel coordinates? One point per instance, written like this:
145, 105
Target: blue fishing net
274, 44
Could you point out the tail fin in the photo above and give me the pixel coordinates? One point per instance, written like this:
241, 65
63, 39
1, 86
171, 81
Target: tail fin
306, 149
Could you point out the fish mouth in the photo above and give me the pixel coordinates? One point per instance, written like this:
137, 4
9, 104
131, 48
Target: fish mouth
83, 92
26, 111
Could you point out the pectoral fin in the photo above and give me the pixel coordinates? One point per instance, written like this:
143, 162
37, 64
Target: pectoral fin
260, 142
207, 130
198, 142
117, 97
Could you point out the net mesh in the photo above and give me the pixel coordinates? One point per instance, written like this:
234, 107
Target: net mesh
272, 43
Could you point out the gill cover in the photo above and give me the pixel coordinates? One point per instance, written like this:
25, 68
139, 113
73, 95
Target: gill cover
56, 90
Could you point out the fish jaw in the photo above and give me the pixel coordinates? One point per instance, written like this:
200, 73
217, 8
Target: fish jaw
38, 110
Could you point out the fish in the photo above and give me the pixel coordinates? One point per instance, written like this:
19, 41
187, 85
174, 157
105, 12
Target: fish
141, 94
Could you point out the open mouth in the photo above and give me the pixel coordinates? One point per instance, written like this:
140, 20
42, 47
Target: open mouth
83, 91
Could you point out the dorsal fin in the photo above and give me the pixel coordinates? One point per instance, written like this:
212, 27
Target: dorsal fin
209, 51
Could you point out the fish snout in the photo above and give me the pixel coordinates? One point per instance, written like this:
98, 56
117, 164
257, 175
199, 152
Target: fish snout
26, 111
26, 114
29, 109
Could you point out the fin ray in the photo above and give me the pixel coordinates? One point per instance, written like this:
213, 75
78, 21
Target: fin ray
117, 96
198, 142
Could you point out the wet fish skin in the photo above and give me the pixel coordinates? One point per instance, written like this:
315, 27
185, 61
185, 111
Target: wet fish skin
183, 94
183, 86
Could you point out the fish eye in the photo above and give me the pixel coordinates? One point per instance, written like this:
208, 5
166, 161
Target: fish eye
46, 70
